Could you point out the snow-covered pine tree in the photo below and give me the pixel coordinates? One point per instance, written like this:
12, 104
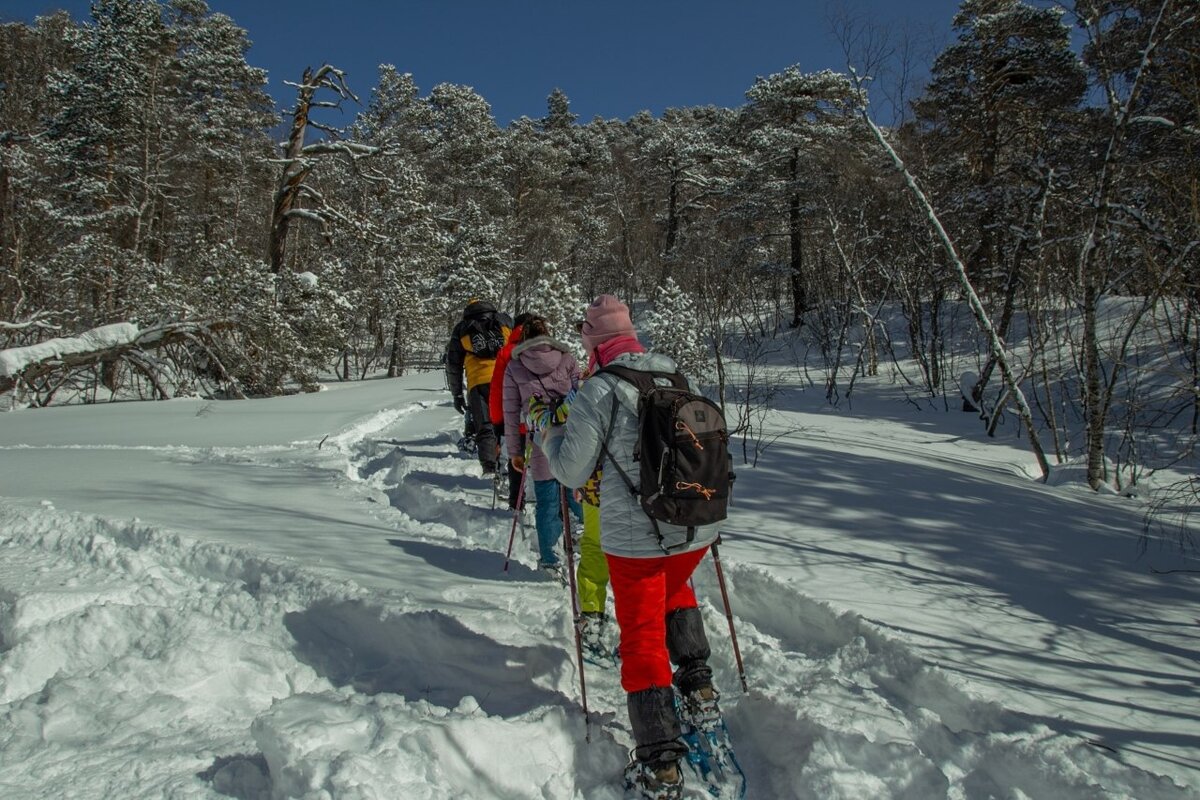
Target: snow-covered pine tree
396, 255
558, 299
997, 101
538, 225
475, 265
672, 326
791, 121
221, 168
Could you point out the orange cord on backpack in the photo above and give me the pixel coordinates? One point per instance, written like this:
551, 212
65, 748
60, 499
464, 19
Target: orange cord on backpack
680, 425
708, 493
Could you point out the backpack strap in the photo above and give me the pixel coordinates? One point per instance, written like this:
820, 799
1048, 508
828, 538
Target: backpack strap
604, 451
645, 382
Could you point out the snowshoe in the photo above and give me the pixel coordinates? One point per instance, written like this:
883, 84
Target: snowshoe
555, 571
499, 478
710, 757
644, 782
598, 648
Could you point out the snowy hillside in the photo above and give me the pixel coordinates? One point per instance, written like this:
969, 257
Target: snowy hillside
303, 597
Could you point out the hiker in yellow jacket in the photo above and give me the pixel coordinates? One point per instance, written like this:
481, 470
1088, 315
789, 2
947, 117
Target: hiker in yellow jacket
472, 348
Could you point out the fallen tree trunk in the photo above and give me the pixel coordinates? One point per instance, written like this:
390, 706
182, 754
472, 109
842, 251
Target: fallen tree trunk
110, 345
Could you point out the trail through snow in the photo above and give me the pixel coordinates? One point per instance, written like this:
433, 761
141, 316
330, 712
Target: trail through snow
358, 639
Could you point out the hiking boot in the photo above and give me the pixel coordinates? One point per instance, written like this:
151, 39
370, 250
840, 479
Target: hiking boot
699, 708
654, 781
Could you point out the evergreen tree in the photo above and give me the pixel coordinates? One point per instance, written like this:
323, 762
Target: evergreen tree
672, 326
558, 299
558, 112
220, 171
997, 99
791, 119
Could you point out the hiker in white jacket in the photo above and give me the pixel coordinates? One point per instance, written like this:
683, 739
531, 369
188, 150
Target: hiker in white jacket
656, 610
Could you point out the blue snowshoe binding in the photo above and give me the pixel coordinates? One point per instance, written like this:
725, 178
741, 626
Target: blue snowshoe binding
710, 758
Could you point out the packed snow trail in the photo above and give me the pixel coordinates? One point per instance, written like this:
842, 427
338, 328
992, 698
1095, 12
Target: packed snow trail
390, 656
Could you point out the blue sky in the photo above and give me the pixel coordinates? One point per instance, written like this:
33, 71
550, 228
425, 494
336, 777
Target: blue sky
612, 58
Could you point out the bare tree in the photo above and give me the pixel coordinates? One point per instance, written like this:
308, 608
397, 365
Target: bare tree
996, 345
300, 159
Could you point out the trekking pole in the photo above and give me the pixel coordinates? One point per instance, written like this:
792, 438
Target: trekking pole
518, 511
496, 481
576, 616
516, 515
737, 653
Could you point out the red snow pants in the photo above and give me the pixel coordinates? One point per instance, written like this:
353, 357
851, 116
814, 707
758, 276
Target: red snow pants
644, 591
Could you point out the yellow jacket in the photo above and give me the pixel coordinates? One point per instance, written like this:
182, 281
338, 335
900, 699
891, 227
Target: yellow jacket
473, 346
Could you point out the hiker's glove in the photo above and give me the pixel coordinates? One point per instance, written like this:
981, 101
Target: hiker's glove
518, 463
460, 404
564, 407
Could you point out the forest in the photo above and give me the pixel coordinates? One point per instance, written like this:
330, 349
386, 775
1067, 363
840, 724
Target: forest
1016, 234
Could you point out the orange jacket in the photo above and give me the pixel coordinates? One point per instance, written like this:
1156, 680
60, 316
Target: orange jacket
496, 398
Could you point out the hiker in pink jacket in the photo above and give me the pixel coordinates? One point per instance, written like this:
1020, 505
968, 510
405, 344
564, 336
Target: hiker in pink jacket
540, 367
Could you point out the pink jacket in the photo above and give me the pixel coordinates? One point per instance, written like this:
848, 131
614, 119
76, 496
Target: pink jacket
543, 367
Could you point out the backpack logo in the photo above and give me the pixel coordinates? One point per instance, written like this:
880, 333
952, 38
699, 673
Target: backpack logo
486, 338
682, 449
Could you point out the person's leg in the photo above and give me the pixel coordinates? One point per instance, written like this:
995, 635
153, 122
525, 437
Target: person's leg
485, 435
639, 598
515, 499
639, 594
548, 517
592, 575
686, 640
688, 643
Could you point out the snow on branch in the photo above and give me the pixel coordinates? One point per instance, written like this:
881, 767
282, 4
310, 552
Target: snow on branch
35, 321
121, 341
16, 360
350, 149
1165, 123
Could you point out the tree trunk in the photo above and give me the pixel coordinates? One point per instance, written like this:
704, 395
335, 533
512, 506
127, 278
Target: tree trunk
672, 213
294, 173
796, 244
1014, 281
396, 357
976, 305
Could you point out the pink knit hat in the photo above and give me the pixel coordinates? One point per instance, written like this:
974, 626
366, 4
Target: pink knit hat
606, 318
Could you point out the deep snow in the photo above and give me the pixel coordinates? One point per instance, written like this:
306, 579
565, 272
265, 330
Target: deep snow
303, 597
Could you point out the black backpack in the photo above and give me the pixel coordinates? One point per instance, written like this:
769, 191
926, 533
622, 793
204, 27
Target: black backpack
683, 452
486, 335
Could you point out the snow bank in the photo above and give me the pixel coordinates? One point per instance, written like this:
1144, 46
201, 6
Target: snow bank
131, 660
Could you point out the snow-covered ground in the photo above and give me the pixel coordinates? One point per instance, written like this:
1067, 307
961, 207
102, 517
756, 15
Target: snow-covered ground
303, 597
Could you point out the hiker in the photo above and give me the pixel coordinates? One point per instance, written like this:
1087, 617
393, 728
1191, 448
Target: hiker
540, 367
473, 346
496, 409
650, 564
